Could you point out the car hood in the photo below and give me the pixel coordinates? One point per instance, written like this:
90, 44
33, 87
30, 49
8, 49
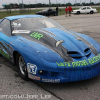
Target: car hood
41, 11
67, 44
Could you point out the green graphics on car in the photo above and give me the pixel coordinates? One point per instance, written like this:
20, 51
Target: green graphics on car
84, 62
36, 35
4, 54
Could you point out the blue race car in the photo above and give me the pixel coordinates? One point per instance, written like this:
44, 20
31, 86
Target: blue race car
45, 51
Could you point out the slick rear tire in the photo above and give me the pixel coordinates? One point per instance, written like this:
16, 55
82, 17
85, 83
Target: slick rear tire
22, 69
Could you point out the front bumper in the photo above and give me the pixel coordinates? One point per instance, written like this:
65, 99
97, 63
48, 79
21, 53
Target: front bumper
69, 75
68, 72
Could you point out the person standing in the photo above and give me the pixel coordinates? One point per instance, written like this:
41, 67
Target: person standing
66, 10
70, 9
57, 11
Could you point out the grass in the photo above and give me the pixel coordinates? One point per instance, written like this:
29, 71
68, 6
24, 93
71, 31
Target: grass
22, 12
98, 9
7, 13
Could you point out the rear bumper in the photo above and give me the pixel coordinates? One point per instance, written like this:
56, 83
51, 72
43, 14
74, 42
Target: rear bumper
74, 12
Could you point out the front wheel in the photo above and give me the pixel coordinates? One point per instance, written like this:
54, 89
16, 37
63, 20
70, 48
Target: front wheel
22, 69
78, 12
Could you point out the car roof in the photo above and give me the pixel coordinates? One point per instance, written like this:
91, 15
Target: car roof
85, 6
22, 16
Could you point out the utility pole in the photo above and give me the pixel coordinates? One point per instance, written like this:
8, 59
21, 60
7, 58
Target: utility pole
75, 3
99, 1
56, 1
22, 4
49, 4
19, 5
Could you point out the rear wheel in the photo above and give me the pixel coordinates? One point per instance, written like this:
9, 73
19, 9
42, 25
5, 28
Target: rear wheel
54, 14
91, 12
45, 15
22, 69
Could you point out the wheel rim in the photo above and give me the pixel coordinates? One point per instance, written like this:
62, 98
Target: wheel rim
91, 12
22, 65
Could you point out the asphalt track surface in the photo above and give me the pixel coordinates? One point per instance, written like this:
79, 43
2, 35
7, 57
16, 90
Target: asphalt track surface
13, 86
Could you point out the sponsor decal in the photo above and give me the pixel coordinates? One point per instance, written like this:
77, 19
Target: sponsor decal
36, 35
51, 80
32, 68
90, 61
6, 50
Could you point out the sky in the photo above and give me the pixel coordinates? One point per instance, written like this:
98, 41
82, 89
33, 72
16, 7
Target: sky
45, 1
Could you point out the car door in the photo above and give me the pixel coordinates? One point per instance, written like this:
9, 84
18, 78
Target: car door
83, 10
50, 11
88, 9
5, 36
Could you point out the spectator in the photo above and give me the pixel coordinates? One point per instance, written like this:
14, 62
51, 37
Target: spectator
70, 9
57, 10
66, 10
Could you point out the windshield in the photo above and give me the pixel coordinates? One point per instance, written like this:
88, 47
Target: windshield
25, 25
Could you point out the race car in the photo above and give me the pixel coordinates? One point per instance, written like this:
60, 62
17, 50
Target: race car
45, 51
47, 12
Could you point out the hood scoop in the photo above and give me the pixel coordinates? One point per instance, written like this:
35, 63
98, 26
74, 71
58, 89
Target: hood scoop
87, 52
75, 54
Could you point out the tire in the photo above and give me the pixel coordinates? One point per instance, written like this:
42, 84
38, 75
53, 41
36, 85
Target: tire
22, 69
91, 12
78, 12
54, 14
44, 14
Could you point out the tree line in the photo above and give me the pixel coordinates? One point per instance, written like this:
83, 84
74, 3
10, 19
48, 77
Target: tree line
12, 5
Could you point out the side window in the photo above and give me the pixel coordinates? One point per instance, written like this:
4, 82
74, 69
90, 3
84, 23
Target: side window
49, 10
84, 8
88, 8
5, 27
